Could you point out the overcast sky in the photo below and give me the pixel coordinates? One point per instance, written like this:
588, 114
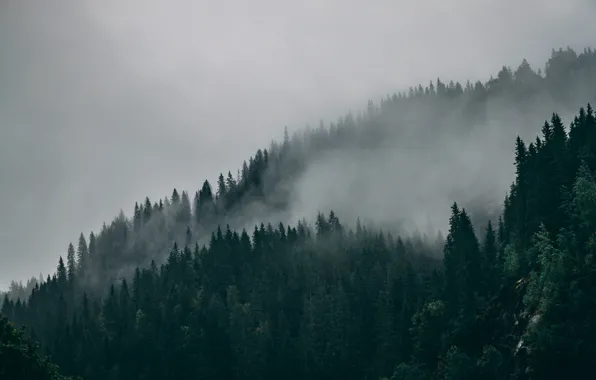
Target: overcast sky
105, 102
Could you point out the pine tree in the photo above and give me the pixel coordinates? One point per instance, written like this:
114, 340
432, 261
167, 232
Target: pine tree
221, 187
82, 257
71, 264
175, 199
197, 208
184, 215
62, 275
137, 218
92, 249
147, 210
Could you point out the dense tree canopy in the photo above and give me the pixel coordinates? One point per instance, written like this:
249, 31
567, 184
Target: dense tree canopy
19, 359
513, 299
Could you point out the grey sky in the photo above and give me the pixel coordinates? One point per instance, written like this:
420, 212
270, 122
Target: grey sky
104, 102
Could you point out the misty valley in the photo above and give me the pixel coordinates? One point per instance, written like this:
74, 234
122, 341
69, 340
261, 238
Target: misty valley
447, 232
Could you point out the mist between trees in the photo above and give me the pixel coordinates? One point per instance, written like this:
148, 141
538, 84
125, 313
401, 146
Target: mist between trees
256, 277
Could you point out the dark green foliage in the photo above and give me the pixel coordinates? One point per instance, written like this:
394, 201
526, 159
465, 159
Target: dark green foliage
235, 307
82, 257
178, 292
71, 264
19, 358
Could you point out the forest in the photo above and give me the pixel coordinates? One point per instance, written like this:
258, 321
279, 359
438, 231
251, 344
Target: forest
191, 287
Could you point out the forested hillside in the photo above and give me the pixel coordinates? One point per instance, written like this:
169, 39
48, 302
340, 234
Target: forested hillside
180, 290
413, 126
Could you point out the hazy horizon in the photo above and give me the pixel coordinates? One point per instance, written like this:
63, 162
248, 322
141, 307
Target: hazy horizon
104, 104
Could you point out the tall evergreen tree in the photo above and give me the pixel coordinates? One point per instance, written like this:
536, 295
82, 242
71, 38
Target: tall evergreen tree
82, 257
71, 263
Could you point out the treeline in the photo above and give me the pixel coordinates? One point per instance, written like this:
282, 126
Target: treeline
169, 294
421, 117
326, 302
16, 290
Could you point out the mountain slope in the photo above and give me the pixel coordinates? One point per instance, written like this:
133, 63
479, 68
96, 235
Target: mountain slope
336, 300
445, 135
330, 302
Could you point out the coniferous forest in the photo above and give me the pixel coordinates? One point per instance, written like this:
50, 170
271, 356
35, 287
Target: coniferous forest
180, 290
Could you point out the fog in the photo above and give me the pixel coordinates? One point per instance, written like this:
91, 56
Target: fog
406, 185
104, 103
409, 189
